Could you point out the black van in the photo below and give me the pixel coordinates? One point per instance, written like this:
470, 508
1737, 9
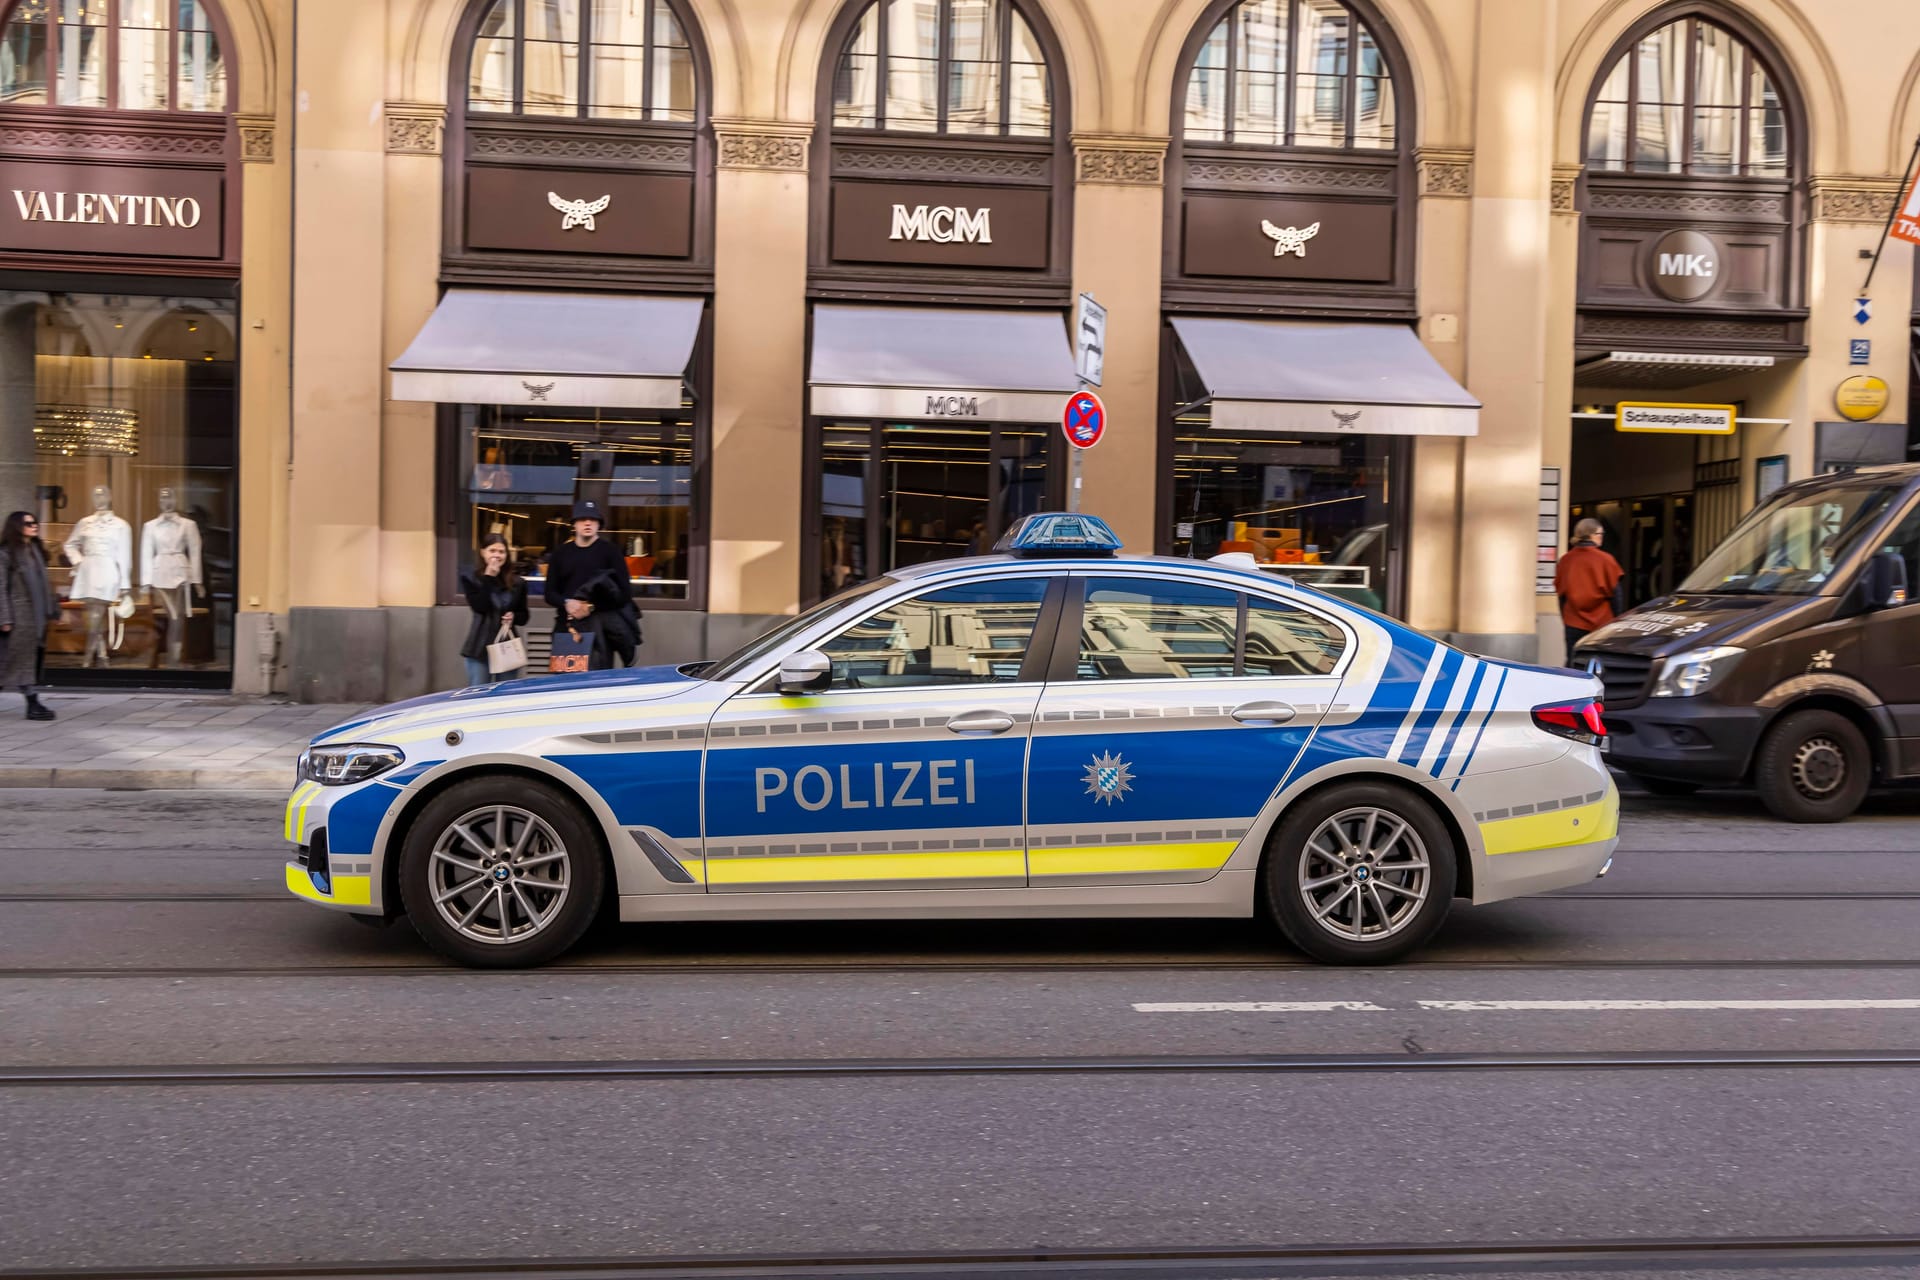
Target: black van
1790, 658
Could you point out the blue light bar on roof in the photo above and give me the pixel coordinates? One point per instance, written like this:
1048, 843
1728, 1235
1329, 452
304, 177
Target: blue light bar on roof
1059, 533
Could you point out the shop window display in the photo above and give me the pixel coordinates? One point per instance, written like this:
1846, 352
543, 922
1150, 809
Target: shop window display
524, 468
129, 405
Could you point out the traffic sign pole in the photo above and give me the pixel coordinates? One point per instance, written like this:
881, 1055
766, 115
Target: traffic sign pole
1083, 421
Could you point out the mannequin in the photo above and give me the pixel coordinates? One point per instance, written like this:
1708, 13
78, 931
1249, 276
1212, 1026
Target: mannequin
100, 549
170, 567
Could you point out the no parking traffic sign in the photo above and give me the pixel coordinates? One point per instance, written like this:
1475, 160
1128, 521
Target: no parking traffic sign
1085, 420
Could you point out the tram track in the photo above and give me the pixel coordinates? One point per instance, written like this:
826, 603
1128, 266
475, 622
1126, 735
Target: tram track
562, 1071
1509, 1258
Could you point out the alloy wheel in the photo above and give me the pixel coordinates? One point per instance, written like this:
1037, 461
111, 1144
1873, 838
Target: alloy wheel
499, 874
1365, 875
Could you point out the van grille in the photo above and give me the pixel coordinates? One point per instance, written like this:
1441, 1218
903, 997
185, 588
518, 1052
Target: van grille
1624, 678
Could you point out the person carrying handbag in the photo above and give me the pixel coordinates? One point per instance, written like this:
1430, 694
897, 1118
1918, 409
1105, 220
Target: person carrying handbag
28, 608
498, 598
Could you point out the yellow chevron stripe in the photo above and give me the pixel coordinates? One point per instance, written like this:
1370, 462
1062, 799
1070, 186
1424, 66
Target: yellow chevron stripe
1095, 860
348, 891
297, 810
1007, 864
1585, 824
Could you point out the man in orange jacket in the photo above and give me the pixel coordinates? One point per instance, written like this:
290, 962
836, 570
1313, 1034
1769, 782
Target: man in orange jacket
1587, 580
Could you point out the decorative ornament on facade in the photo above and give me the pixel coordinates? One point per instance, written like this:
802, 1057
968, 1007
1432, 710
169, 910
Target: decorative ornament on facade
1291, 240
413, 129
1446, 172
256, 138
1118, 166
578, 213
1566, 178
1854, 199
784, 152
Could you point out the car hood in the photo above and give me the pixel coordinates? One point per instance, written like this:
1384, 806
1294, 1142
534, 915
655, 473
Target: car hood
1675, 623
538, 693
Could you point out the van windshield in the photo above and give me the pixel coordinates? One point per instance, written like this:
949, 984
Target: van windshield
1791, 546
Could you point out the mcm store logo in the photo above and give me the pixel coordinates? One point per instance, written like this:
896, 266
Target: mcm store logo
942, 224
578, 213
1289, 240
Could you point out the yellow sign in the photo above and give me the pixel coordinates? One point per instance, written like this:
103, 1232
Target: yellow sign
1861, 397
1675, 419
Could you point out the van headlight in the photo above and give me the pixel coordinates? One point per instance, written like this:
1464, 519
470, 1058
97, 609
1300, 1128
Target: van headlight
340, 765
1695, 671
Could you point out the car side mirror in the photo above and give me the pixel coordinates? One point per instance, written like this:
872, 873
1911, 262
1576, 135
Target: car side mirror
1886, 580
808, 671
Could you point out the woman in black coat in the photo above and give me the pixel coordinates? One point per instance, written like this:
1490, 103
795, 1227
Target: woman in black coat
498, 597
28, 607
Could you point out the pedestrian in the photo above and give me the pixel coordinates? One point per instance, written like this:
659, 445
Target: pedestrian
587, 583
498, 597
28, 608
1587, 580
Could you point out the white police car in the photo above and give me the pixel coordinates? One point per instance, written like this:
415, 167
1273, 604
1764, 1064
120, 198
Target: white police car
1058, 731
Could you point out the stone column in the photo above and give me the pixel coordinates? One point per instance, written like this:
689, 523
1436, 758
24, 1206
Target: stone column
1445, 183
1508, 291
759, 374
19, 468
338, 635
1119, 212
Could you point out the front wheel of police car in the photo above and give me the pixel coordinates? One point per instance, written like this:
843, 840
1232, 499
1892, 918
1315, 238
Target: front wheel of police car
501, 873
1361, 873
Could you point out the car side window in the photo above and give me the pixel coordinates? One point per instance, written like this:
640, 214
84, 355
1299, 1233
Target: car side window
1906, 540
976, 633
1143, 629
1285, 641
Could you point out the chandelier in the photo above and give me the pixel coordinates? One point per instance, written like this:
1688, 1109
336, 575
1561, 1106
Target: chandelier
70, 429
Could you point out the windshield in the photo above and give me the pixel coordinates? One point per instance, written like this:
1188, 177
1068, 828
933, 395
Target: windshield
1791, 546
730, 667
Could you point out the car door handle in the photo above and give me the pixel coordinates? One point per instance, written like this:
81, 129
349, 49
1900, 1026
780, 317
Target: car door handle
981, 722
1263, 713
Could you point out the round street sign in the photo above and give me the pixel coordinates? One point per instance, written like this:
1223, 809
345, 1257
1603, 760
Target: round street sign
1861, 397
1085, 420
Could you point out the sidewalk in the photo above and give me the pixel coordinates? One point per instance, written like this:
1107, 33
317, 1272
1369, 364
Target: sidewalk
159, 741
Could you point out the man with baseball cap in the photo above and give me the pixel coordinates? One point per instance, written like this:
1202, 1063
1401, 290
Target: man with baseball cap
587, 582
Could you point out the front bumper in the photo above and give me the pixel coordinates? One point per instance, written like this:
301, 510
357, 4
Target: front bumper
336, 828
1687, 739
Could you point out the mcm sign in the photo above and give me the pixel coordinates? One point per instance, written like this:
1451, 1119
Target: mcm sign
1291, 240
578, 213
942, 224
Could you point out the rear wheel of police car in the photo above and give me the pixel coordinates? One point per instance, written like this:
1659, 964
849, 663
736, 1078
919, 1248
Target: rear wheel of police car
501, 873
1361, 873
1813, 766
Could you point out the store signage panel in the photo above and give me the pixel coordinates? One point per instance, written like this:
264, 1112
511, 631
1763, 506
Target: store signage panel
940, 225
1675, 419
1286, 239
1685, 265
112, 209
1906, 219
935, 404
1861, 397
585, 212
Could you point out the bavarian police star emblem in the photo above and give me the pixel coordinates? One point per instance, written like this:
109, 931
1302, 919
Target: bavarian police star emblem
1108, 778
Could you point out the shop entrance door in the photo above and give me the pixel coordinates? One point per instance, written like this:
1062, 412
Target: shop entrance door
893, 494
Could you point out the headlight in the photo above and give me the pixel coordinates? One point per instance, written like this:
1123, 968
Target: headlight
1695, 671
348, 763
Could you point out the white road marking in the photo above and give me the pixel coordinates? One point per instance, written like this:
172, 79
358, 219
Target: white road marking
1264, 1006
1636, 1006
1523, 1006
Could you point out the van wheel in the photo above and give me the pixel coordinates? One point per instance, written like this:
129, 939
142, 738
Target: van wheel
1813, 766
501, 872
1359, 874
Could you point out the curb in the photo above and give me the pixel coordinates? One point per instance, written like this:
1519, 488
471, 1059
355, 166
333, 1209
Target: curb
151, 779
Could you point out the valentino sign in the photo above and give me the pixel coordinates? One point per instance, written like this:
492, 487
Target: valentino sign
112, 210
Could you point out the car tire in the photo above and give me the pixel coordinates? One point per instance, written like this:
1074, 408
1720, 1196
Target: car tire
495, 845
1330, 895
1813, 766
1664, 786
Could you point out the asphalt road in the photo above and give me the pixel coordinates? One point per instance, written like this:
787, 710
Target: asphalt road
1706, 1064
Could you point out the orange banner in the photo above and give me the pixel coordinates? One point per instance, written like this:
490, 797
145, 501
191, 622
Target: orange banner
1906, 219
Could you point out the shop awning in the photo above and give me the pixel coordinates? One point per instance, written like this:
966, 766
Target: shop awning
928, 362
516, 346
1290, 375
1667, 370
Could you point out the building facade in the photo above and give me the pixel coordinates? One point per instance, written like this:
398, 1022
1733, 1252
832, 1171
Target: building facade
298, 301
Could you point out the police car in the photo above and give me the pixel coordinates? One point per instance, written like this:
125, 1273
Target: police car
1053, 731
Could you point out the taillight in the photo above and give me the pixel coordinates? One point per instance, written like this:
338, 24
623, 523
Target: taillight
1577, 720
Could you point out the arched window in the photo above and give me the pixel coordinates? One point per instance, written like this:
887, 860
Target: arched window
943, 66
135, 55
1291, 73
604, 59
1689, 97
